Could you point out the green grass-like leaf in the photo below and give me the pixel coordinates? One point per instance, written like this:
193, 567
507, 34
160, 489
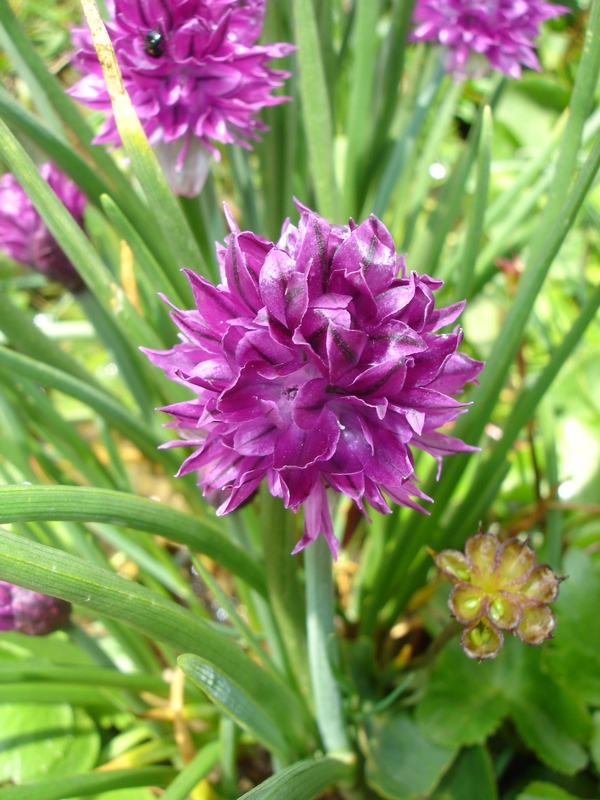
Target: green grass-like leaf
28, 503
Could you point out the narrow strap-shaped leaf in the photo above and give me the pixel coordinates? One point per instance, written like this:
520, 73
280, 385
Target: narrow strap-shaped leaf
28, 503
48, 694
12, 672
11, 36
144, 163
475, 224
60, 153
21, 331
316, 110
192, 774
302, 781
141, 251
360, 85
111, 409
286, 592
429, 244
580, 106
402, 152
322, 647
233, 698
469, 512
59, 574
471, 426
73, 241
389, 75
91, 783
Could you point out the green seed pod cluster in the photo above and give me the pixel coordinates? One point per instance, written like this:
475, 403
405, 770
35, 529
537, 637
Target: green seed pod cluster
499, 588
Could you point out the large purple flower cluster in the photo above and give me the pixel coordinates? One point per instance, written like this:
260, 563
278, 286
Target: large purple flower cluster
501, 31
315, 365
194, 74
30, 612
23, 233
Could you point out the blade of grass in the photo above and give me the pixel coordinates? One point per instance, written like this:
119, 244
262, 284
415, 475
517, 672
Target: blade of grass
81, 676
486, 395
580, 105
302, 781
23, 333
90, 784
360, 86
237, 702
396, 168
73, 241
286, 593
191, 775
316, 110
77, 503
478, 206
61, 575
60, 152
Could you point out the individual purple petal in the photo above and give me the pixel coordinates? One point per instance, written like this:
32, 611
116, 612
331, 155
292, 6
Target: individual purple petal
315, 366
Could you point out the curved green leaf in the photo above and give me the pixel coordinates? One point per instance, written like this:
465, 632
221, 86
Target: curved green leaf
243, 707
34, 503
90, 784
59, 574
302, 781
316, 109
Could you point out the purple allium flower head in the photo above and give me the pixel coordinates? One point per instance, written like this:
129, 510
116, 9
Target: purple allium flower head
316, 364
30, 612
23, 233
502, 31
194, 74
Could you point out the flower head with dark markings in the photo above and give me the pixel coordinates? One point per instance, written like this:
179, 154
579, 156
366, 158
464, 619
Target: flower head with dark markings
499, 588
316, 365
194, 73
30, 612
23, 233
502, 32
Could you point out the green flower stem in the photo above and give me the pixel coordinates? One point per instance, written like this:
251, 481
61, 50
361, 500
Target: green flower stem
321, 648
285, 590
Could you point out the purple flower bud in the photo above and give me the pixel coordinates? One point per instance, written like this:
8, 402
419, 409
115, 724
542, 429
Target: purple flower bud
316, 365
24, 235
499, 588
194, 74
29, 612
473, 31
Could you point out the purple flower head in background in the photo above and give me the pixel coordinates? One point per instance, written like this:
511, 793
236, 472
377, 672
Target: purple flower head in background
194, 74
30, 612
23, 233
315, 365
501, 31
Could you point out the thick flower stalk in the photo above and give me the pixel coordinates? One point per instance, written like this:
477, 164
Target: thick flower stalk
23, 233
503, 32
194, 73
29, 612
316, 365
499, 588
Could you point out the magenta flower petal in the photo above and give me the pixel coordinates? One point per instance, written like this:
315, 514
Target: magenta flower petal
503, 32
24, 235
194, 73
314, 365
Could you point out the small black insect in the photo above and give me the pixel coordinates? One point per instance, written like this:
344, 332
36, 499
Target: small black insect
154, 44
